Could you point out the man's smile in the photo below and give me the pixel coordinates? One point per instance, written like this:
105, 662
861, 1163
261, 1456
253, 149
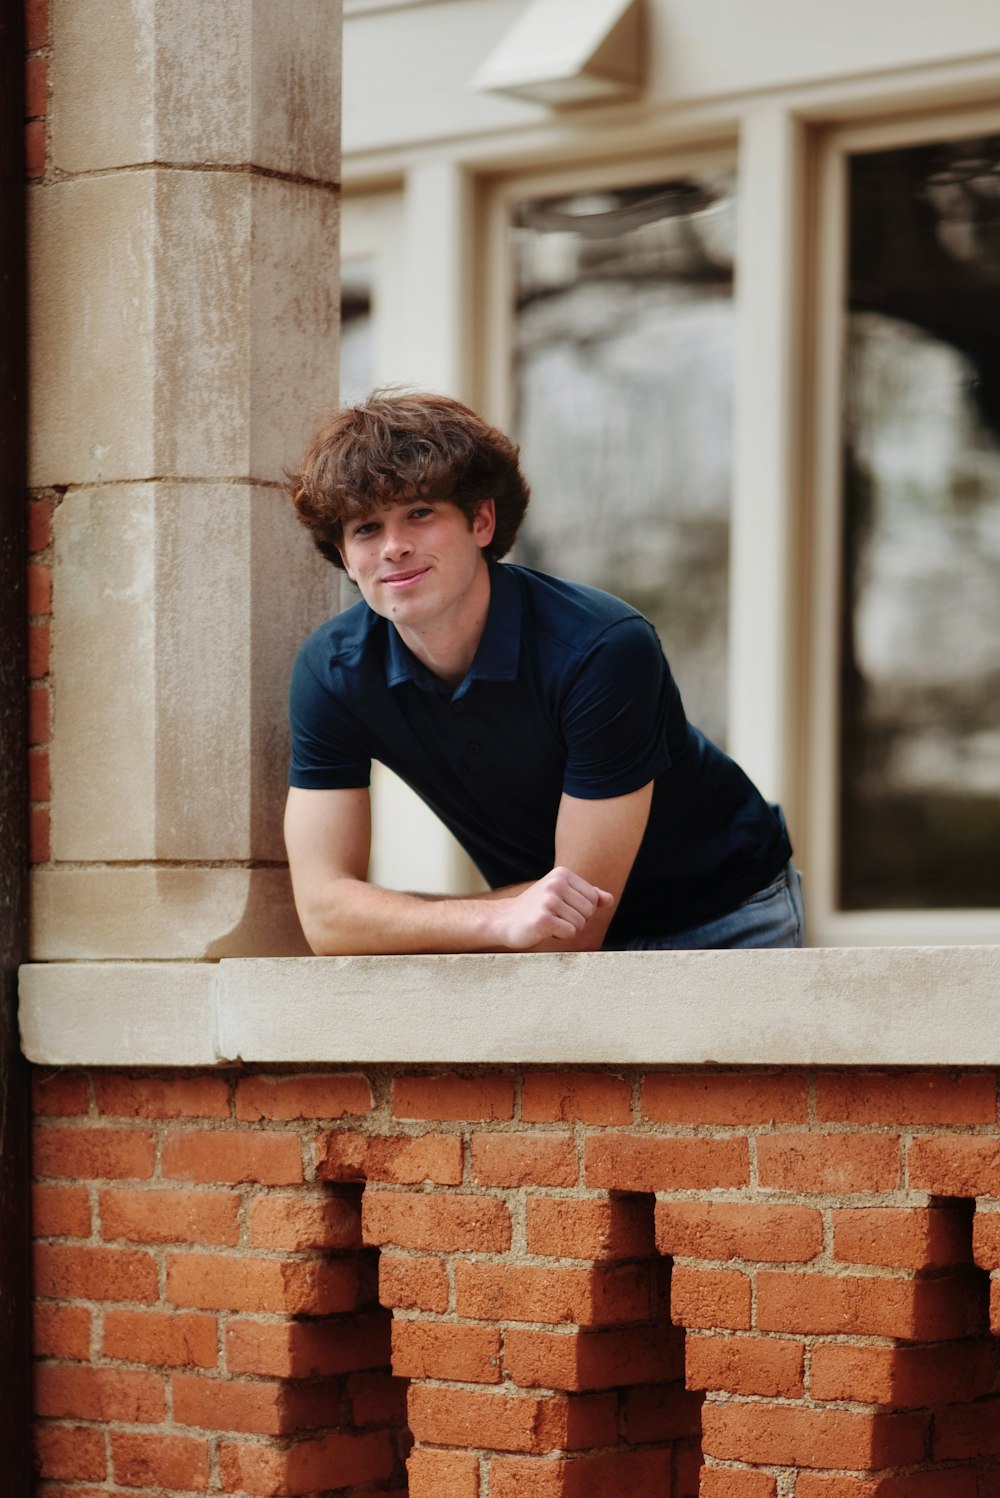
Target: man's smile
405, 579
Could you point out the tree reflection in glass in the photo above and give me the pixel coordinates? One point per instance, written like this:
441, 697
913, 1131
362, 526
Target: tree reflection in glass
622, 383
920, 692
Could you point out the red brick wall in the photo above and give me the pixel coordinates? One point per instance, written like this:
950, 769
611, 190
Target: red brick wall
223, 1257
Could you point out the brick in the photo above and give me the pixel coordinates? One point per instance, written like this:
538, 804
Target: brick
619, 1228
399, 1160
926, 1097
305, 1467
576, 1097
412, 1283
783, 1436
917, 1310
39, 649
308, 1349
640, 1474
953, 1482
601, 1295
227, 1282
296, 1222
986, 1238
917, 1238
60, 1211
307, 1095
66, 1392
70, 1453
446, 1350
59, 1094
161, 1339
445, 1096
94, 1154
442, 1474
661, 1412
211, 1156
121, 1096
433, 1220
39, 588
36, 87
589, 1360
216, 1404
744, 1097
140, 1460
61, 1331
710, 1298
40, 512
377, 1399
994, 1305
967, 1430
34, 149
36, 24
524, 1159
736, 1482
500, 1421
39, 835
828, 1163
768, 1366
720, 1230
626, 1162
904, 1377
159, 1216
40, 789
955, 1165
68, 1272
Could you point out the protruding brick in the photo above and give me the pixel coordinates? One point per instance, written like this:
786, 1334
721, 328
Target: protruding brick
587, 1360
618, 1228
36, 24
736, 1482
828, 1163
904, 1377
146, 1460
40, 789
306, 1095
570, 1097
721, 1230
710, 1298
432, 1220
39, 649
61, 1331
955, 1164
986, 1238
602, 1295
377, 1399
640, 1474
305, 1467
445, 1096
442, 1474
626, 1162
446, 1350
400, 1160
94, 1154
786, 1436
906, 1238
159, 1216
916, 1310
743, 1097
68, 1392
161, 1339
412, 1282
308, 1349
295, 1222
500, 1421
39, 589
228, 1156
39, 835
534, 1159
66, 1271
909, 1097
964, 1431
70, 1453
121, 1096
61, 1211
226, 1282
951, 1482
768, 1366
217, 1404
661, 1412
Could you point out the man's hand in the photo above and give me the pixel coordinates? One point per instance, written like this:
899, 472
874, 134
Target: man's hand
556, 908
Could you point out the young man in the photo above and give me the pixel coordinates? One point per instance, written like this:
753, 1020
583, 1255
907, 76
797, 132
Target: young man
538, 718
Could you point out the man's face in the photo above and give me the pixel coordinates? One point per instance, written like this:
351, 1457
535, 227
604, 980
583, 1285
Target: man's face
417, 563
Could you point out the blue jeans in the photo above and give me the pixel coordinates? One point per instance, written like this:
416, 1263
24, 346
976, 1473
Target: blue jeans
773, 917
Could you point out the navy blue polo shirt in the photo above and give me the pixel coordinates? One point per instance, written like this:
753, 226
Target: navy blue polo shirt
569, 691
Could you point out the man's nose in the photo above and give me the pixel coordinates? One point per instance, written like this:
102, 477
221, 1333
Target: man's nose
395, 541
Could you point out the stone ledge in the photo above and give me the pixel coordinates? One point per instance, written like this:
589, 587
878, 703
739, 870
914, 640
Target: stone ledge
892, 1006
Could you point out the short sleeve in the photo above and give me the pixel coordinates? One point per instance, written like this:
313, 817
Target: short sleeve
615, 713
328, 749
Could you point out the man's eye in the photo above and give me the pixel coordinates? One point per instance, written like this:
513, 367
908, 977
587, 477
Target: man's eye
367, 528
420, 512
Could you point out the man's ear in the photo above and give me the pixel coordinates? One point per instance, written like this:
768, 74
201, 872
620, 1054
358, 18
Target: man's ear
484, 522
343, 558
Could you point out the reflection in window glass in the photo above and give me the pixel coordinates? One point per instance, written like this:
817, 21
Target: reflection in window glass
920, 695
622, 382
355, 330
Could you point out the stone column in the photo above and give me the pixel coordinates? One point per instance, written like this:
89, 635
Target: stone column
184, 336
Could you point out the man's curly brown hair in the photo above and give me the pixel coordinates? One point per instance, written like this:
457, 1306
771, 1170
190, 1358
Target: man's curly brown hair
395, 447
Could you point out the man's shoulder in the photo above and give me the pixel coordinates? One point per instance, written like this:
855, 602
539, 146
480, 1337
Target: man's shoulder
343, 640
572, 615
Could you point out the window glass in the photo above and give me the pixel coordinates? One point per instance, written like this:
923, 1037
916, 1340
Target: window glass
622, 383
356, 351
920, 691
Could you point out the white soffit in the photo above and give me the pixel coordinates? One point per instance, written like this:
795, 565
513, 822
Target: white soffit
567, 52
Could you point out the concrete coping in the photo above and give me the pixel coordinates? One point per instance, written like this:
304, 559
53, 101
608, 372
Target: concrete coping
882, 1006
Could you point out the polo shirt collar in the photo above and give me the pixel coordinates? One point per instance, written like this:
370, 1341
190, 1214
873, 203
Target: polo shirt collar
499, 650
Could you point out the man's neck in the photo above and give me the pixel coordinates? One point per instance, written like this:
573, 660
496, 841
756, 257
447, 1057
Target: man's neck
447, 646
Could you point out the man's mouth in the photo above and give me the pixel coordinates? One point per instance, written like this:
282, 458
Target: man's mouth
405, 579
